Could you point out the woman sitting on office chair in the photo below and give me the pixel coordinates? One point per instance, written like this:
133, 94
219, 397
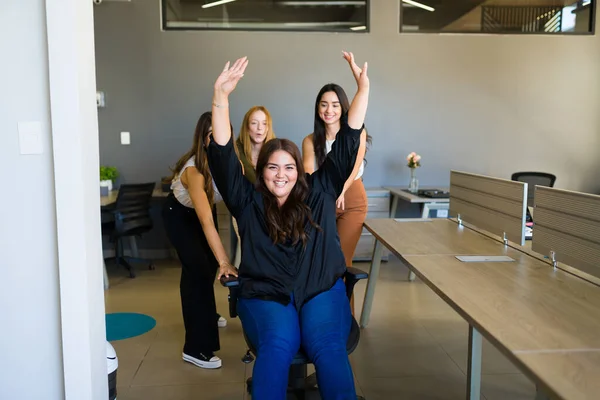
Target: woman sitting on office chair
189, 215
291, 288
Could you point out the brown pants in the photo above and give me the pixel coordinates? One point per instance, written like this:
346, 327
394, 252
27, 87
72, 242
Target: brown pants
350, 222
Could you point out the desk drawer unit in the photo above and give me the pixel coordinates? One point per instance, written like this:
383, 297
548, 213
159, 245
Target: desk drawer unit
379, 207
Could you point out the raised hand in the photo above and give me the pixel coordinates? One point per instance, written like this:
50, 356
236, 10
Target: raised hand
360, 74
230, 76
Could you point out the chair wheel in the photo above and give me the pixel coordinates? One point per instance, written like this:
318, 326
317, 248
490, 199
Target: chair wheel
248, 358
151, 267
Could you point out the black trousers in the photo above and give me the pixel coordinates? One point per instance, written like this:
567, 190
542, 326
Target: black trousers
198, 270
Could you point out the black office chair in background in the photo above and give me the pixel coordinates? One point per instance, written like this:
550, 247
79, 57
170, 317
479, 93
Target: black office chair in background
299, 384
532, 179
130, 219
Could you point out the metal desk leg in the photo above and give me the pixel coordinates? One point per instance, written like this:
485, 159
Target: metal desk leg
394, 206
372, 281
106, 283
474, 367
133, 246
425, 213
411, 276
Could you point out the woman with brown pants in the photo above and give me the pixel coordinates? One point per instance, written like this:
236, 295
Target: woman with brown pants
331, 108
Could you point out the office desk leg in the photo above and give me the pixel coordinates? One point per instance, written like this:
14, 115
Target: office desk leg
474, 367
425, 213
106, 284
372, 281
394, 206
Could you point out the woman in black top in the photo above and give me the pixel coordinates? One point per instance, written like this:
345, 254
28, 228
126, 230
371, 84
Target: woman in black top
291, 291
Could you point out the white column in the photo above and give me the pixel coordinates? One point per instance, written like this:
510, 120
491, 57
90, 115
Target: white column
70, 32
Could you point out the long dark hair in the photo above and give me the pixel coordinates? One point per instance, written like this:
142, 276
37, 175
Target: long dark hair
288, 221
319, 132
203, 129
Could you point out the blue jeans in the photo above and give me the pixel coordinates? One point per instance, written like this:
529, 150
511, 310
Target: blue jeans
277, 332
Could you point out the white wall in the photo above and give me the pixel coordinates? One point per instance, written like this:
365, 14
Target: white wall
30, 339
488, 104
52, 341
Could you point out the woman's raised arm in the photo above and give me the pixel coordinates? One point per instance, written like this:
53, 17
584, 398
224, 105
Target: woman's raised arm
224, 85
358, 108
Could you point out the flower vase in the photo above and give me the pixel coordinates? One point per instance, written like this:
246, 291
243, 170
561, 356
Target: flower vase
413, 186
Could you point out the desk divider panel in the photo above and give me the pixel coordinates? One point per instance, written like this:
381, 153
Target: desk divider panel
494, 204
567, 228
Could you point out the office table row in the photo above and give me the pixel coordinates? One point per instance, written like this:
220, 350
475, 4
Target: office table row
542, 317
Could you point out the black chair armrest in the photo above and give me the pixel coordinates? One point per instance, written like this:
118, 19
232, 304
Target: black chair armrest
230, 281
352, 276
356, 273
233, 284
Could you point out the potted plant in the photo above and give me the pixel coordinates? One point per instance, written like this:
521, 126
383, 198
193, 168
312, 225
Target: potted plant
107, 178
413, 162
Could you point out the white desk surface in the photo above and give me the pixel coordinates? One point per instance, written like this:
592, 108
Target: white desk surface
112, 196
413, 198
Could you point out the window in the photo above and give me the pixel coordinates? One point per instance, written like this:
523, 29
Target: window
498, 16
267, 15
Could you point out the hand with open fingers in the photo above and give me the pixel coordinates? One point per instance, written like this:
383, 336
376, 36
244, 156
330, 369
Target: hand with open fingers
226, 269
360, 74
231, 75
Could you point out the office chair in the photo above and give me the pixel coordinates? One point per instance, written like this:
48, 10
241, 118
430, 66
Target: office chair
532, 179
299, 384
131, 218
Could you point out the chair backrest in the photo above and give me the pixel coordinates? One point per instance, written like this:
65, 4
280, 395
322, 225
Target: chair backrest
532, 179
132, 209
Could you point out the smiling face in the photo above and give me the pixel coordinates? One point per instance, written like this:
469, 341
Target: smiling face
330, 109
280, 175
258, 127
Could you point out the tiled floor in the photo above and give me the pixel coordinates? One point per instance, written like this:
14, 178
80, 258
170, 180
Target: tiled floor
415, 346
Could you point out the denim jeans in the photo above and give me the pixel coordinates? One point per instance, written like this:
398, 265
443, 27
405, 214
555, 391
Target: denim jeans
321, 328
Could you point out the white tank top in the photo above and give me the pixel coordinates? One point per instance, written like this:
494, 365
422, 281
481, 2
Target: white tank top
329, 143
181, 193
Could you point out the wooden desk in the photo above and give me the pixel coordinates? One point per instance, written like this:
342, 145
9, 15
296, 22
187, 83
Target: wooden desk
530, 312
112, 196
429, 203
544, 320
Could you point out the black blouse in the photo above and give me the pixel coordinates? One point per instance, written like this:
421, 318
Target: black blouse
274, 271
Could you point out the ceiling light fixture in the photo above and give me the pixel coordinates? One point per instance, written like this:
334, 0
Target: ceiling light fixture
323, 3
420, 5
216, 3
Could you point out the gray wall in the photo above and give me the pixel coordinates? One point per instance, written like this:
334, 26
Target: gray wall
484, 104
30, 347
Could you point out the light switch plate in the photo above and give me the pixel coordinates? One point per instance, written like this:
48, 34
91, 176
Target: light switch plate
125, 138
100, 100
442, 213
30, 137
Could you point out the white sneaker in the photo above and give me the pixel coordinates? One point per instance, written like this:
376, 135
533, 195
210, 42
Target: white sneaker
203, 361
222, 322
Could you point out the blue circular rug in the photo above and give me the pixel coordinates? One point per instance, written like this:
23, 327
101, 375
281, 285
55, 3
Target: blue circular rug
121, 326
